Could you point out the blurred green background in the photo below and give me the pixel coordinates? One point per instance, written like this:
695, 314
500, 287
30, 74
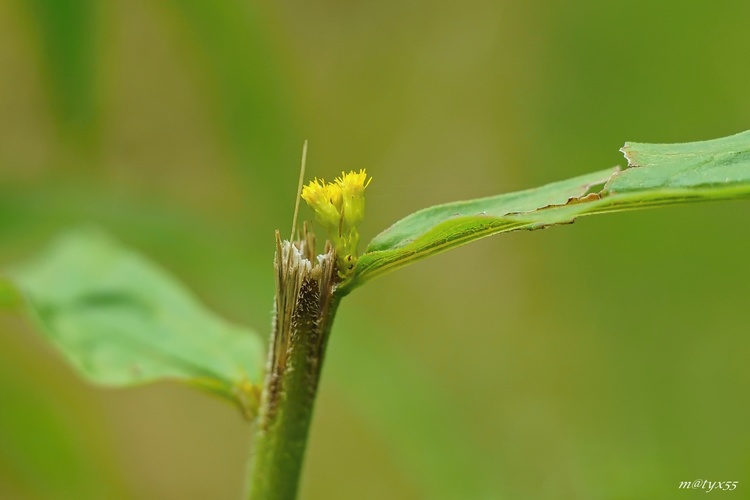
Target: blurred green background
603, 360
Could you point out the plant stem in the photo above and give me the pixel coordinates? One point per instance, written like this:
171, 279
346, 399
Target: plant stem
304, 311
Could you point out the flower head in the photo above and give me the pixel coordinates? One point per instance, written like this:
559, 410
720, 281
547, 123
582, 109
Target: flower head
325, 200
352, 187
339, 207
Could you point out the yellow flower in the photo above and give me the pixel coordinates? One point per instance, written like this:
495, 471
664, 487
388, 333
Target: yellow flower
352, 187
325, 200
339, 207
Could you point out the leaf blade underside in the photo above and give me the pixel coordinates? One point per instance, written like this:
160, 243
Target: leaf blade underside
121, 321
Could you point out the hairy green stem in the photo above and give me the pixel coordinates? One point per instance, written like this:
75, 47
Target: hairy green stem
305, 308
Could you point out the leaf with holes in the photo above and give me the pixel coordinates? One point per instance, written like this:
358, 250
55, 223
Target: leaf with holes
656, 175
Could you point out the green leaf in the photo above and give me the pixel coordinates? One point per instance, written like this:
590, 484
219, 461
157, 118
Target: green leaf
656, 175
122, 321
